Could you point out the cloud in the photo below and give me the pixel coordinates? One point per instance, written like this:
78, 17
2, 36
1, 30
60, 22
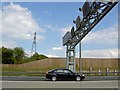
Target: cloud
55, 52
65, 29
18, 23
0, 21
57, 48
103, 53
52, 55
28, 53
8, 44
61, 30
0, 27
47, 12
51, 27
107, 36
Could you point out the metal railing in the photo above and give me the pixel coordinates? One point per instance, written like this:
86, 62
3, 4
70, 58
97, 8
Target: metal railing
87, 73
99, 72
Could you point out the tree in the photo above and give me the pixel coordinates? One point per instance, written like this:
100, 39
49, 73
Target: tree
42, 56
36, 56
7, 56
0, 55
19, 54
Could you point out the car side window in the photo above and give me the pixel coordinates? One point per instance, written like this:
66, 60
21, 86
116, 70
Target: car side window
59, 71
66, 71
54, 71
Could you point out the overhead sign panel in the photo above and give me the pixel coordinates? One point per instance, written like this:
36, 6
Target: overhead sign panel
67, 38
72, 31
86, 9
77, 22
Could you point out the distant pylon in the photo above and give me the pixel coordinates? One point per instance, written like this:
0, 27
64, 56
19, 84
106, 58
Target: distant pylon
33, 50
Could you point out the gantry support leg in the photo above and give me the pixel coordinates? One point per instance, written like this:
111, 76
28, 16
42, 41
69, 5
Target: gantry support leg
70, 58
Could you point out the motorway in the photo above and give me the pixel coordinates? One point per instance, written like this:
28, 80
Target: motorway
37, 78
41, 82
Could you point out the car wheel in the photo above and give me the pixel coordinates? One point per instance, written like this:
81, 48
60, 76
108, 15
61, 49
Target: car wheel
78, 78
54, 78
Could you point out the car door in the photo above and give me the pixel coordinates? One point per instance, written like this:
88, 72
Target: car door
69, 74
60, 74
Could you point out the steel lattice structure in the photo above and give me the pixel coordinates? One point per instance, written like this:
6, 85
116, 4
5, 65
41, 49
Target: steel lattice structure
93, 13
33, 50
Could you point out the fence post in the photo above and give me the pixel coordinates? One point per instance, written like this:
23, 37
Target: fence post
107, 71
99, 72
115, 72
90, 71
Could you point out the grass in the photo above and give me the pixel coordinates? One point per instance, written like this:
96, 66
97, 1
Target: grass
44, 70
7, 74
23, 75
20, 69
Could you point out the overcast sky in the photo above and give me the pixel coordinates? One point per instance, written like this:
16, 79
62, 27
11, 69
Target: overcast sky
51, 21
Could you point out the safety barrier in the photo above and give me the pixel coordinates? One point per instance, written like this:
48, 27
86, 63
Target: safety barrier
90, 72
99, 72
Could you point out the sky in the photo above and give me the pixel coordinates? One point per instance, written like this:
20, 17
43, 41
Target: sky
51, 20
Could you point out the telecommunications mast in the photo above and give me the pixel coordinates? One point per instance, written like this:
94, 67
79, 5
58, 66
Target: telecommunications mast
33, 50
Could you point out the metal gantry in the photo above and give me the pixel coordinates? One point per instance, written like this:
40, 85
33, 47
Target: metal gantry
93, 13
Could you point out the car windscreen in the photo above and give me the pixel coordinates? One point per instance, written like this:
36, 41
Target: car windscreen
67, 71
52, 70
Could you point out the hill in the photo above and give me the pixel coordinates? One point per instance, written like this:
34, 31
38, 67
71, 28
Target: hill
52, 63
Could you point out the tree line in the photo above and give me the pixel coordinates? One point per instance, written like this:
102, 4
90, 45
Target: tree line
17, 56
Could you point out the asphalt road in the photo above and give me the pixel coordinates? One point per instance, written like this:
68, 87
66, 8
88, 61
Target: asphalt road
36, 78
41, 82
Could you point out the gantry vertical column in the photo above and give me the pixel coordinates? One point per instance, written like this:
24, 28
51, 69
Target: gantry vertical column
70, 58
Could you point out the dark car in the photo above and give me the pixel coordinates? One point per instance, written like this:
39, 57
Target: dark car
63, 74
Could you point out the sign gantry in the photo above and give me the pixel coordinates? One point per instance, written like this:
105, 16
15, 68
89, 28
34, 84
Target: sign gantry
93, 13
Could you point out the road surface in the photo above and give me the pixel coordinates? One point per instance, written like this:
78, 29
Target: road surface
41, 82
37, 78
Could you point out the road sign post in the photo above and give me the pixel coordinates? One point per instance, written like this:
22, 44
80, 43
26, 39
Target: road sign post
80, 59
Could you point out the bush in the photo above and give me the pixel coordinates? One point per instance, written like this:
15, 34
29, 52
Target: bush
36, 56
